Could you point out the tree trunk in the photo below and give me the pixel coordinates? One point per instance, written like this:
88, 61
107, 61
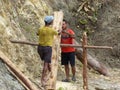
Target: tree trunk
57, 25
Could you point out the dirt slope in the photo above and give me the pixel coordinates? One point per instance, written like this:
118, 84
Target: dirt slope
108, 33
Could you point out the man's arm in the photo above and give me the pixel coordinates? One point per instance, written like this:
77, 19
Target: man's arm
71, 35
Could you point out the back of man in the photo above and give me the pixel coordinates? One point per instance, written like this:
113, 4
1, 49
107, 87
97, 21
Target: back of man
46, 35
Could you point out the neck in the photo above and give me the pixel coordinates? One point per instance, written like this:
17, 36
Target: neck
65, 29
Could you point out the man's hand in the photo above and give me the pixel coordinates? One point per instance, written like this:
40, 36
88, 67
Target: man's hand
59, 32
64, 31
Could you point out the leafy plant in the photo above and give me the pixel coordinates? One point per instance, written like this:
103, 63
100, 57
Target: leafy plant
83, 21
61, 88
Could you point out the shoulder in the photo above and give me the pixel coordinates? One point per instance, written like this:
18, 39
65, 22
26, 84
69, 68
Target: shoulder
70, 30
41, 27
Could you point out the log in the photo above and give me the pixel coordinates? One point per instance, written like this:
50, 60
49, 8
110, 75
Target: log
17, 77
17, 72
92, 62
57, 25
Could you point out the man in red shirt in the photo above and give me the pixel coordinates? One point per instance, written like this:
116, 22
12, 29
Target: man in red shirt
68, 53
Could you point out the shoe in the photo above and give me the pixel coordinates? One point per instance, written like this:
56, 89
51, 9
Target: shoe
66, 80
73, 78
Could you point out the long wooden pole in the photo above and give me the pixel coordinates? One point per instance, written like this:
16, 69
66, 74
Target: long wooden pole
24, 42
85, 81
17, 72
17, 77
86, 46
63, 45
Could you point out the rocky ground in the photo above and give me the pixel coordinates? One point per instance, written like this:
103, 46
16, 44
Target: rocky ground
95, 81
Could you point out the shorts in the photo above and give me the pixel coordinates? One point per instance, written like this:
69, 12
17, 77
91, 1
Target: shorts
67, 58
45, 53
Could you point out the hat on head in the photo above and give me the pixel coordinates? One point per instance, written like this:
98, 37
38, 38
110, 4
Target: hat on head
48, 19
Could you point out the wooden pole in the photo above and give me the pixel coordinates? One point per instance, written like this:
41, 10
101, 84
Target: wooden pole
17, 72
85, 81
57, 25
86, 46
24, 42
63, 45
17, 77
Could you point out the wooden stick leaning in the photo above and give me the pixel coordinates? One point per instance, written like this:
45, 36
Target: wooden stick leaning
17, 72
16, 77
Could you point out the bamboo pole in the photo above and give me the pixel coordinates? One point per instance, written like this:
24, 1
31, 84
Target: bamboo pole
17, 72
85, 81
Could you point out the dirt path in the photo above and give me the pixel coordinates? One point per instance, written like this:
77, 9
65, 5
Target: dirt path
95, 82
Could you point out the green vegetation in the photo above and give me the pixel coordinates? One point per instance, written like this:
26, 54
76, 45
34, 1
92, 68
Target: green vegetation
61, 88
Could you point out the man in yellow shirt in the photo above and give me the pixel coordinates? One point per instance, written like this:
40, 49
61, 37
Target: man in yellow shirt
46, 36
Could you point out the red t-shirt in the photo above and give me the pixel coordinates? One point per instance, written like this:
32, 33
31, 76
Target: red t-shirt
66, 39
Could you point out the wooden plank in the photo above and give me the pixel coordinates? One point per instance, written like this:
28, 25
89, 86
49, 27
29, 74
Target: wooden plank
57, 25
17, 72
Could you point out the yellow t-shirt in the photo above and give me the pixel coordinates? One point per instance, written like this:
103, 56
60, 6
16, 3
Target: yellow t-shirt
46, 35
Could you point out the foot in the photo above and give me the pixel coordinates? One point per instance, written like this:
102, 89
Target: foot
73, 78
66, 80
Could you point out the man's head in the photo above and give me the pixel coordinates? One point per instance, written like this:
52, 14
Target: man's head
64, 24
48, 19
